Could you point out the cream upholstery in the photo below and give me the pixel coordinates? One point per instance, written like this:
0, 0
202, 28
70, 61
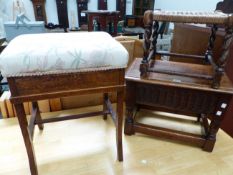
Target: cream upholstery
62, 52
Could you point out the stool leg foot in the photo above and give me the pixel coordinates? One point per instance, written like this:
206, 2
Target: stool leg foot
38, 116
105, 98
209, 145
26, 136
211, 136
129, 121
120, 97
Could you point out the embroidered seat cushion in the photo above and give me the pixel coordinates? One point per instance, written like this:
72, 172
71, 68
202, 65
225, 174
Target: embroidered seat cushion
37, 54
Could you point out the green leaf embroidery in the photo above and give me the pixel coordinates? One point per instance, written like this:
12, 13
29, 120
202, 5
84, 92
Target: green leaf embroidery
26, 61
77, 59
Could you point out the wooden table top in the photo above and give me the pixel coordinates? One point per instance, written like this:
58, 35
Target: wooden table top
106, 12
133, 74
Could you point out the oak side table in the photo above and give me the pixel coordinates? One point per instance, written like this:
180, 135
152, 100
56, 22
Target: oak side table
178, 94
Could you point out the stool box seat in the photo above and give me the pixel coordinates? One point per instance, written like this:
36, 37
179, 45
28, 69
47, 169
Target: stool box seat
36, 54
44, 66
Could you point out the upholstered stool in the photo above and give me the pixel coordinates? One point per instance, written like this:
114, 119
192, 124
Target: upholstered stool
43, 66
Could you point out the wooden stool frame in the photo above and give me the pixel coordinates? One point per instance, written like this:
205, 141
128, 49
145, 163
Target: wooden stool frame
39, 87
151, 22
206, 104
200, 91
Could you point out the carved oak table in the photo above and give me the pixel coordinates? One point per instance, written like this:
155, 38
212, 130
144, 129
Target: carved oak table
199, 90
178, 94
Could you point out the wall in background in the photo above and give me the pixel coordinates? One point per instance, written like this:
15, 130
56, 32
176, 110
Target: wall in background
112, 5
192, 5
51, 10
6, 7
129, 7
195, 5
93, 5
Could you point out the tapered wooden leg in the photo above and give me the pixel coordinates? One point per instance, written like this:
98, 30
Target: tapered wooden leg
120, 97
129, 121
130, 108
26, 136
216, 120
38, 116
211, 137
105, 105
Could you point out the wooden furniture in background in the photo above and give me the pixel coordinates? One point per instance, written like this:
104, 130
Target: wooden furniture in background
121, 6
82, 17
104, 18
190, 96
102, 4
140, 6
39, 10
62, 14
193, 39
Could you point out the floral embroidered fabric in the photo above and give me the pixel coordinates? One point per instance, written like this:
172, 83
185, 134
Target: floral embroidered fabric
61, 52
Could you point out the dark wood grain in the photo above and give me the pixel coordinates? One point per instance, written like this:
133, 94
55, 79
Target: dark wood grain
119, 121
105, 99
38, 118
34, 88
82, 5
150, 42
27, 137
103, 17
39, 10
225, 6
110, 110
102, 4
62, 13
121, 6
32, 85
181, 95
71, 117
194, 39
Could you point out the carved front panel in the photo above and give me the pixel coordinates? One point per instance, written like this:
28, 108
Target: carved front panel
30, 85
180, 99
